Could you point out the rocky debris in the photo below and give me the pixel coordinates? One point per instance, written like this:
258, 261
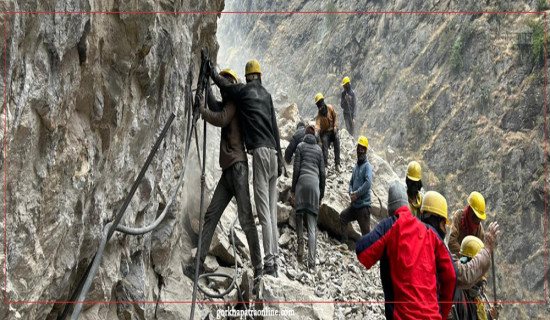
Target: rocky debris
423, 88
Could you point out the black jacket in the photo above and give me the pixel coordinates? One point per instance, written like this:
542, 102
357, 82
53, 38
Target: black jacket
351, 107
296, 139
256, 113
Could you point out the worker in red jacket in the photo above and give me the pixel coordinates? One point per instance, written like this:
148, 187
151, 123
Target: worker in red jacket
421, 268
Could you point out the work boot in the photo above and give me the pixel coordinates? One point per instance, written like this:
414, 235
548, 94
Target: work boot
337, 167
270, 270
189, 270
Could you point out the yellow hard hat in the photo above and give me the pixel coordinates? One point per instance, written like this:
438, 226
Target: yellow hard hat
477, 203
252, 66
471, 246
435, 203
229, 72
346, 80
318, 97
363, 141
414, 172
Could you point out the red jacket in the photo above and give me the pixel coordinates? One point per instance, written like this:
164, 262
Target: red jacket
422, 271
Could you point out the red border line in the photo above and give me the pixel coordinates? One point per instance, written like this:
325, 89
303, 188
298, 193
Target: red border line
275, 12
269, 12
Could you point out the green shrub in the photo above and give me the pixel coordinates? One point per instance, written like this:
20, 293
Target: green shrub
456, 55
542, 5
537, 41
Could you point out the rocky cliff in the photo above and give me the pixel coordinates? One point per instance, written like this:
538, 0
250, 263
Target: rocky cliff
463, 93
87, 95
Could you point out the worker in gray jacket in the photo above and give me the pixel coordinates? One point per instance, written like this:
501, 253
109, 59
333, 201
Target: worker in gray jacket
308, 189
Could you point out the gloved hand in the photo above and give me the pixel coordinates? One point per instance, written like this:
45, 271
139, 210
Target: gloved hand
353, 196
211, 69
491, 236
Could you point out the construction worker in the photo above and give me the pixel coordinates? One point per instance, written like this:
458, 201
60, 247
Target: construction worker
261, 138
349, 105
359, 193
470, 303
326, 128
308, 189
414, 185
467, 222
470, 273
296, 139
420, 267
234, 179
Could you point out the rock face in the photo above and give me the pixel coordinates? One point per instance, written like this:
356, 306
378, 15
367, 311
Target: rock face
453, 91
87, 95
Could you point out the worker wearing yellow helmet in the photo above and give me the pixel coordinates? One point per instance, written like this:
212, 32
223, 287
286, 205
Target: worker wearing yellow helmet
467, 222
413, 181
474, 258
349, 105
261, 139
359, 192
326, 128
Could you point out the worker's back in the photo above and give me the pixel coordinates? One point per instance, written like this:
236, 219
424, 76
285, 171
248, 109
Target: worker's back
257, 116
418, 259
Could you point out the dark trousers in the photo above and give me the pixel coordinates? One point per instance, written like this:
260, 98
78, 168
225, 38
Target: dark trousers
326, 139
311, 231
233, 183
348, 119
362, 215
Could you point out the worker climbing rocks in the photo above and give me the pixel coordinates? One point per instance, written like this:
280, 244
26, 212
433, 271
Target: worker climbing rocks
261, 138
467, 222
349, 105
359, 192
471, 300
308, 189
327, 129
414, 185
234, 179
421, 268
296, 139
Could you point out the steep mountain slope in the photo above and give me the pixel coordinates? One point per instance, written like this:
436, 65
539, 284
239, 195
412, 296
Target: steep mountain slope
87, 95
462, 92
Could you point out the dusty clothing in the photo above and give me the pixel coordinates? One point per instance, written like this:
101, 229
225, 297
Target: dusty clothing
457, 234
327, 138
308, 177
470, 273
415, 205
328, 123
361, 215
311, 232
348, 102
233, 183
422, 266
256, 114
231, 142
296, 139
264, 162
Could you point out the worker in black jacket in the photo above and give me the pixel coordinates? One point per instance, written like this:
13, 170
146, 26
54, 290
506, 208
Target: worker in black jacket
296, 139
261, 138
